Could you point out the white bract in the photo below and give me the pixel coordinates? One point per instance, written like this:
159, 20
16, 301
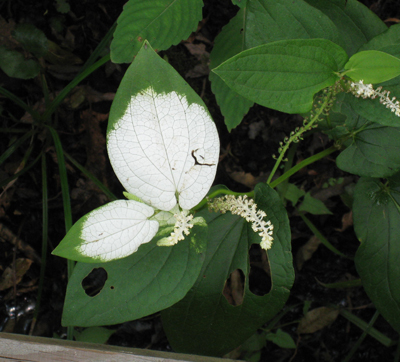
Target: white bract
165, 152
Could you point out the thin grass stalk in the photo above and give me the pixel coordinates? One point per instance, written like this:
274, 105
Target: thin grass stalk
321, 237
18, 101
45, 231
10, 150
362, 337
92, 177
66, 202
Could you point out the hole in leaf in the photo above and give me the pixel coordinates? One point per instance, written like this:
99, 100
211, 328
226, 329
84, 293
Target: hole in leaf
234, 288
94, 282
260, 273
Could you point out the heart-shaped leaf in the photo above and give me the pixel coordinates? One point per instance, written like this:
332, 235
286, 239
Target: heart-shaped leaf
162, 143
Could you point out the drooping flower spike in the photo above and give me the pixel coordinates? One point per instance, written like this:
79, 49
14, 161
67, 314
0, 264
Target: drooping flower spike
247, 209
359, 89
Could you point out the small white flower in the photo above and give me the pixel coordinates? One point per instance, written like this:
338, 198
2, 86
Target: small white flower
247, 209
182, 226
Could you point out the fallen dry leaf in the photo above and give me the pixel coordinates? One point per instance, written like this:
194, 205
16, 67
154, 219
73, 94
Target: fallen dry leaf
317, 319
347, 221
10, 278
234, 288
306, 251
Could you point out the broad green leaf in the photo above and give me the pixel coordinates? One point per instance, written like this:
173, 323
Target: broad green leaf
15, 65
372, 66
204, 322
32, 39
371, 150
313, 206
227, 44
388, 41
162, 22
281, 339
161, 140
268, 21
112, 231
376, 216
145, 282
286, 74
355, 22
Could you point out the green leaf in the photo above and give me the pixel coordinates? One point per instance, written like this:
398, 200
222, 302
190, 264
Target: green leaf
204, 322
284, 75
262, 21
94, 335
388, 41
377, 225
313, 206
15, 65
240, 3
227, 44
162, 22
32, 39
268, 21
372, 66
372, 150
147, 281
293, 193
355, 22
281, 339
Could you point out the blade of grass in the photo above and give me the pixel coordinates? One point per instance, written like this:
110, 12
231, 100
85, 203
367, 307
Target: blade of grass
66, 202
45, 229
322, 238
92, 177
18, 101
302, 164
60, 97
10, 150
386, 341
19, 173
362, 337
99, 49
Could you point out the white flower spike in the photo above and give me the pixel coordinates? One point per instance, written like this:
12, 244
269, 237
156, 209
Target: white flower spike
359, 89
164, 151
247, 209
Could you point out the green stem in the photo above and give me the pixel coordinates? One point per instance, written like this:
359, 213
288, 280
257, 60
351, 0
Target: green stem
60, 97
295, 136
302, 164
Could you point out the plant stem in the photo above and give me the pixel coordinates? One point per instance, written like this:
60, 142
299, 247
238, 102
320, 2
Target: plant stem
297, 134
302, 164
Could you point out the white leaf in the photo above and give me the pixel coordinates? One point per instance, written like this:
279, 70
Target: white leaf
117, 230
163, 148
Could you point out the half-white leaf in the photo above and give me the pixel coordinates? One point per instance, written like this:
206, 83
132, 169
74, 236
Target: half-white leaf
110, 232
163, 148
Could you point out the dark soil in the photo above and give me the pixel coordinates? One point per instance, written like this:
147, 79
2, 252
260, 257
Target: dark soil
246, 160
